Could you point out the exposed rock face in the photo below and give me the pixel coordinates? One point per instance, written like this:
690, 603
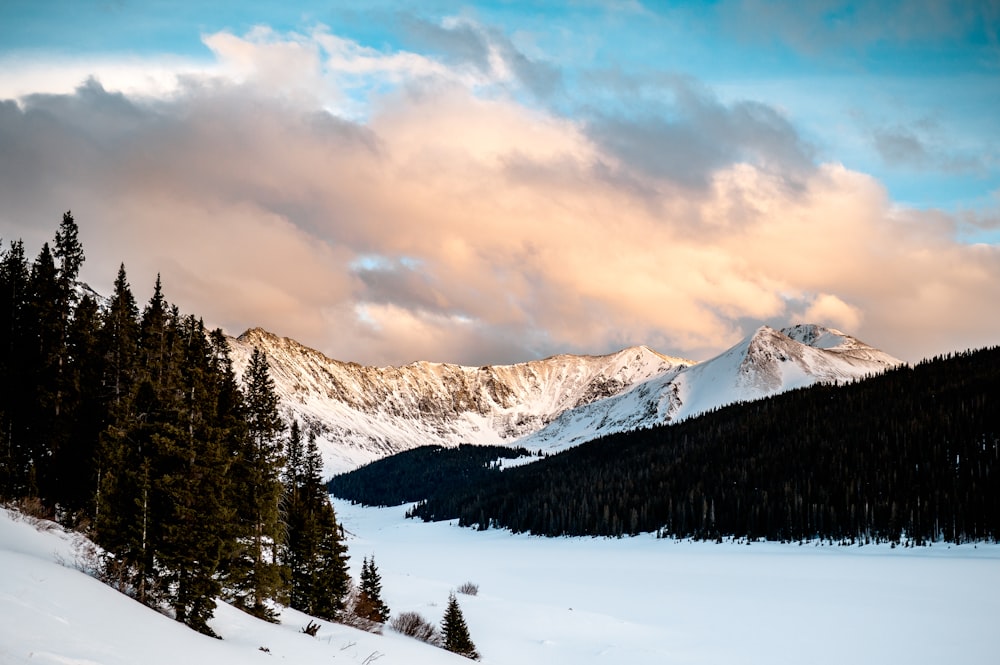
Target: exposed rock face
363, 413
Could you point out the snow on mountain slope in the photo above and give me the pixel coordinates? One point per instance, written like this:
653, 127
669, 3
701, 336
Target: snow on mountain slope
364, 413
766, 363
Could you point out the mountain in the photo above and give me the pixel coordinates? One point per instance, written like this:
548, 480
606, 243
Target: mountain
765, 363
908, 456
364, 413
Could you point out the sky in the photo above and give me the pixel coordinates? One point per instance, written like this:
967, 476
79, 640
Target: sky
494, 182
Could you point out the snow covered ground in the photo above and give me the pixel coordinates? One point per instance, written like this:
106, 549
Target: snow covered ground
581, 600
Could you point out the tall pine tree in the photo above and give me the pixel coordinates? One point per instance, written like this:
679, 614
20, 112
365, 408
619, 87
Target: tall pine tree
256, 572
76, 467
315, 554
16, 343
121, 488
192, 488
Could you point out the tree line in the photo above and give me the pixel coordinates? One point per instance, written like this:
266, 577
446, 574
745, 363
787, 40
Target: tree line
131, 425
910, 456
415, 474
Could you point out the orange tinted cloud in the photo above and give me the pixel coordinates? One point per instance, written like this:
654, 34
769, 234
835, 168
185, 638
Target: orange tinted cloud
452, 225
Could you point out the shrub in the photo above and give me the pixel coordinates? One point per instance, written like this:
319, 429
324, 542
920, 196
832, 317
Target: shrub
414, 625
469, 589
356, 609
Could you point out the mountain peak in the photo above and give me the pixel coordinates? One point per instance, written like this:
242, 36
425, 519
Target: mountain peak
363, 413
258, 334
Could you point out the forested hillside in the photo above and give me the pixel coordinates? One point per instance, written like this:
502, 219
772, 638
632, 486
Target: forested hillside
132, 427
415, 474
912, 456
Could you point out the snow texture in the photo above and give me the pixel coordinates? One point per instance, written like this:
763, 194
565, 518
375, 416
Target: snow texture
365, 413
580, 601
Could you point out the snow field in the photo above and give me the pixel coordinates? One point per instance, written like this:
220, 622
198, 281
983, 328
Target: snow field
642, 600
584, 601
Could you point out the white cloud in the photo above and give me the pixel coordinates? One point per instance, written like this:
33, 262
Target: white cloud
503, 232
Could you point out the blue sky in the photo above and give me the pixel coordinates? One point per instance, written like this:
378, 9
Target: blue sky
906, 91
667, 104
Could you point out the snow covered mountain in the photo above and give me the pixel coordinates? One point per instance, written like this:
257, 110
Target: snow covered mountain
765, 363
364, 413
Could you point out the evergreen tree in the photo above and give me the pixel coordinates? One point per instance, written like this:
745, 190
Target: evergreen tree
68, 252
315, 554
76, 468
69, 257
371, 601
192, 506
331, 580
53, 294
119, 342
157, 332
15, 368
256, 572
455, 632
45, 326
121, 466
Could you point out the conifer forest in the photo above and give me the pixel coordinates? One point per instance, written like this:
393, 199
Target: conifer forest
910, 456
129, 424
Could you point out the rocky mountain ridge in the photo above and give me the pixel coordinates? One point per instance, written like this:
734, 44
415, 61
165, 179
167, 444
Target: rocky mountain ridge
362, 413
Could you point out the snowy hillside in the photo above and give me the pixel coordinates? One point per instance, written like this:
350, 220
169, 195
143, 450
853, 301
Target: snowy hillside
766, 363
365, 413
370, 412
585, 601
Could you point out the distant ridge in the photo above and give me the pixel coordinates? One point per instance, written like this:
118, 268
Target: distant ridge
362, 413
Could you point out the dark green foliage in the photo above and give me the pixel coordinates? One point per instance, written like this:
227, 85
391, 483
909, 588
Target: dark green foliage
255, 573
45, 327
192, 488
122, 488
419, 473
137, 426
912, 454
69, 254
370, 603
17, 367
454, 632
82, 419
314, 553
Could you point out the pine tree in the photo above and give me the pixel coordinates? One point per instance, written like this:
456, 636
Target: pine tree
76, 468
16, 369
300, 530
68, 252
315, 554
371, 592
455, 632
54, 299
120, 481
192, 507
69, 258
45, 324
256, 572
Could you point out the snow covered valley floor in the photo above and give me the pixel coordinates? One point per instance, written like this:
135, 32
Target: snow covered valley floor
581, 601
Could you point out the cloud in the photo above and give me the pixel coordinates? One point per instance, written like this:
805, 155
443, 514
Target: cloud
924, 146
676, 128
463, 41
825, 27
450, 224
829, 310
